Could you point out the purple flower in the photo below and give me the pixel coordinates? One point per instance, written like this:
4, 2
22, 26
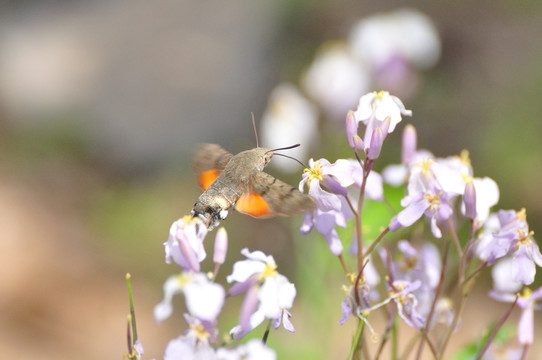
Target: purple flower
185, 243
402, 293
419, 263
511, 238
331, 207
527, 302
358, 295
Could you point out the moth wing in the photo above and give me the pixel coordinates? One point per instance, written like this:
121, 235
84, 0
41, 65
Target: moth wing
208, 161
273, 197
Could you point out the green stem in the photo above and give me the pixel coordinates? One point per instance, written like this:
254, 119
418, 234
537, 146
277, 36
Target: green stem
132, 310
356, 340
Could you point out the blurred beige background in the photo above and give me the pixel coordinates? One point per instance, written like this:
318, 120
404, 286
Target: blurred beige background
102, 102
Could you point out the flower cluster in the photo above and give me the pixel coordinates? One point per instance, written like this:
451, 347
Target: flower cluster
445, 192
268, 295
440, 236
388, 50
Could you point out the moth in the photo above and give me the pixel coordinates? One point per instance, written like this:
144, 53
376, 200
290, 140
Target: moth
239, 181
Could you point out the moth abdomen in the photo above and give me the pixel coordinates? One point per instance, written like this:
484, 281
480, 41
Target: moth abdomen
213, 205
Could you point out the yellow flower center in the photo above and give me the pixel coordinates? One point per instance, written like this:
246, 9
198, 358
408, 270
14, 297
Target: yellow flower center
200, 332
183, 279
524, 239
378, 98
270, 270
522, 214
465, 157
433, 199
425, 165
526, 293
315, 172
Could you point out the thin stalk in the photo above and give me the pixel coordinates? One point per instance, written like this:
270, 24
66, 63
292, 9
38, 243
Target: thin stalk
525, 351
454, 236
394, 339
375, 243
496, 330
132, 310
341, 259
387, 332
461, 295
435, 299
266, 334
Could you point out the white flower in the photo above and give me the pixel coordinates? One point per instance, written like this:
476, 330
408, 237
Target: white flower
405, 33
335, 79
268, 294
252, 350
288, 119
204, 298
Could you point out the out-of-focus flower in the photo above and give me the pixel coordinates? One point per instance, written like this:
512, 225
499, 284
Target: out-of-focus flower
398, 174
527, 302
358, 295
253, 350
402, 293
503, 276
268, 294
221, 246
379, 110
288, 119
500, 351
335, 79
512, 238
469, 200
204, 298
394, 45
186, 348
425, 196
185, 243
487, 195
201, 330
418, 263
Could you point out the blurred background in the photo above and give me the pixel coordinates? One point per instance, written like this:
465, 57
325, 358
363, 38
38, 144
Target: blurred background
101, 104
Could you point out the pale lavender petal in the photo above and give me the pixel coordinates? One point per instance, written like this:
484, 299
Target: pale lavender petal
346, 310
412, 212
526, 327
334, 243
249, 306
286, 323
523, 268
307, 224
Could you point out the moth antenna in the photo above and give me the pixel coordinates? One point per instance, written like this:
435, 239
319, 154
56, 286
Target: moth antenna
285, 148
255, 132
293, 158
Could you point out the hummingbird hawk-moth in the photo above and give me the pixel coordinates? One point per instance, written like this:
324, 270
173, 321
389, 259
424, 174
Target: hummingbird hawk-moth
239, 180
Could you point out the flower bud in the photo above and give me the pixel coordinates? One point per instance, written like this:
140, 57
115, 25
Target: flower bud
469, 198
376, 144
351, 129
409, 144
221, 246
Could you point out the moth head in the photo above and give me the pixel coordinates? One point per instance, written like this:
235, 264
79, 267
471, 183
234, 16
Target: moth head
268, 154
